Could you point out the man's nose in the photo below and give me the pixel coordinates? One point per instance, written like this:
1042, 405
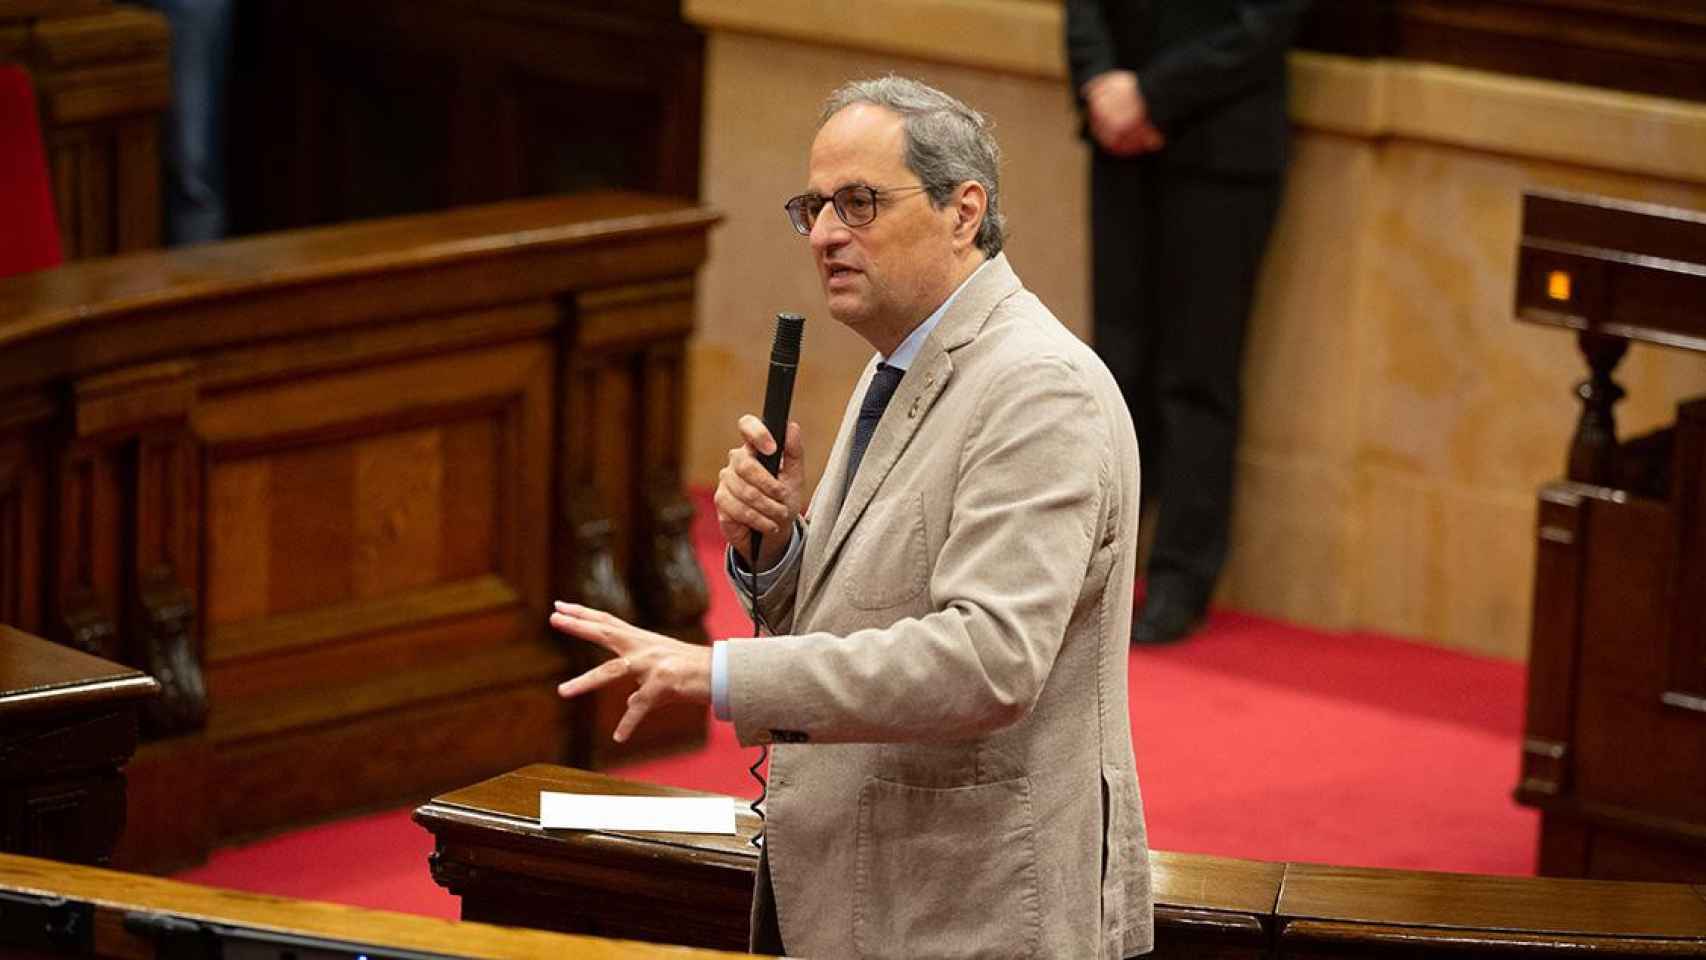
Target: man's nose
828, 232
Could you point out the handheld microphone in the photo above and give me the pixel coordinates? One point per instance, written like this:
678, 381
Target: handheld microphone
778, 394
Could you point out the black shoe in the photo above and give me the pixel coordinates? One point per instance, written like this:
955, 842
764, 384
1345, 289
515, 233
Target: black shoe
1166, 620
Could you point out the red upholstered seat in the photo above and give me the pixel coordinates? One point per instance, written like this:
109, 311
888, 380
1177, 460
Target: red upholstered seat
29, 234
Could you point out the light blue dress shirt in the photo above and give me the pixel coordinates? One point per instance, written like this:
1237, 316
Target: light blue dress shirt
901, 359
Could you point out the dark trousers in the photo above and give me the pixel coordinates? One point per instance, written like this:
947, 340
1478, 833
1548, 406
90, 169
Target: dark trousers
193, 133
766, 931
1175, 255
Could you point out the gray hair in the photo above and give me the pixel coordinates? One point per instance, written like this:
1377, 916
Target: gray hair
947, 143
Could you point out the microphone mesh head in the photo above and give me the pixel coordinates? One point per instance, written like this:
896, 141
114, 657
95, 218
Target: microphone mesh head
789, 328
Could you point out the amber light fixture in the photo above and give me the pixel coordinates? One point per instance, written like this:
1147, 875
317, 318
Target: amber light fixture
1558, 285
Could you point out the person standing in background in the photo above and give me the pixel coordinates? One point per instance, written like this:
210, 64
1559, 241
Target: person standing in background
194, 130
1184, 103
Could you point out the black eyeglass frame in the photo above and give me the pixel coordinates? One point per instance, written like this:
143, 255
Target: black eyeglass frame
838, 199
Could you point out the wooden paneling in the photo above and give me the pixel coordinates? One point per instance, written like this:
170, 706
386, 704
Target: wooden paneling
381, 107
325, 484
386, 757
23, 511
630, 363
1620, 702
1649, 46
1687, 683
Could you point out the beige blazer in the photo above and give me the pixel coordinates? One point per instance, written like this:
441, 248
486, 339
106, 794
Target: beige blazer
953, 775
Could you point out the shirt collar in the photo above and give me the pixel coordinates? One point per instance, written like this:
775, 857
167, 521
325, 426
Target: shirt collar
904, 354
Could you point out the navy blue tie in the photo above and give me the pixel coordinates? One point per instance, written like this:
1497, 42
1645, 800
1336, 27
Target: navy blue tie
877, 396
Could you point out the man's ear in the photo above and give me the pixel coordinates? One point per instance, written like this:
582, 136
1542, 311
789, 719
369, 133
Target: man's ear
970, 204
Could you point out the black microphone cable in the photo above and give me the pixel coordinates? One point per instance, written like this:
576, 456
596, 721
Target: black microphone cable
778, 393
757, 805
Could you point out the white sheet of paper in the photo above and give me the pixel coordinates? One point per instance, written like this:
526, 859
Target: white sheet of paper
591, 811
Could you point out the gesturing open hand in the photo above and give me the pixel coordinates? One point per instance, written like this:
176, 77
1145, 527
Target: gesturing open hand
665, 668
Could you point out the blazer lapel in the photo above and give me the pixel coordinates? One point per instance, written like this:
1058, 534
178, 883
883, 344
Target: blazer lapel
918, 390
923, 384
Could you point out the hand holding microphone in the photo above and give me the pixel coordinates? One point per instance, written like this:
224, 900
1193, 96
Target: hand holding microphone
758, 497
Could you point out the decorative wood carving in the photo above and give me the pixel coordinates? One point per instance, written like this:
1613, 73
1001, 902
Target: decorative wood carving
450, 873
166, 635
675, 586
87, 626
624, 377
164, 631
135, 449
676, 594
591, 541
1593, 449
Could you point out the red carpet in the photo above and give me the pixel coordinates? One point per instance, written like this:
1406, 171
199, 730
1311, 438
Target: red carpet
1255, 739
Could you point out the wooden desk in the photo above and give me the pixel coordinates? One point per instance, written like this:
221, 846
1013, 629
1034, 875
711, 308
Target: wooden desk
696, 890
1615, 749
68, 723
324, 485
665, 888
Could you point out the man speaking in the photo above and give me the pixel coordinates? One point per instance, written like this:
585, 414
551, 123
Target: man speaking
946, 685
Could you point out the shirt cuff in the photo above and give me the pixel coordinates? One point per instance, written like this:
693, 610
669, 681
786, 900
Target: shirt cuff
720, 681
742, 577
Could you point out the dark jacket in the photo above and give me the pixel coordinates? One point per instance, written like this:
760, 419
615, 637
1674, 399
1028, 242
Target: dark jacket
1212, 72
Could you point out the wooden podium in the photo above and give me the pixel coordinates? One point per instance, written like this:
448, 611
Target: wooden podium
1615, 749
695, 891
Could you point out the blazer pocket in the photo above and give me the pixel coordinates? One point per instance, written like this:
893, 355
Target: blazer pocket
946, 872
886, 564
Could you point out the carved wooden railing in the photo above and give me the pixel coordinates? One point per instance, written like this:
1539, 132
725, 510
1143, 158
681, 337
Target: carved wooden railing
62, 910
323, 486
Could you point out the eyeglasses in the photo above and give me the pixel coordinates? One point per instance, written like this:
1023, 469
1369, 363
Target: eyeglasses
855, 204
